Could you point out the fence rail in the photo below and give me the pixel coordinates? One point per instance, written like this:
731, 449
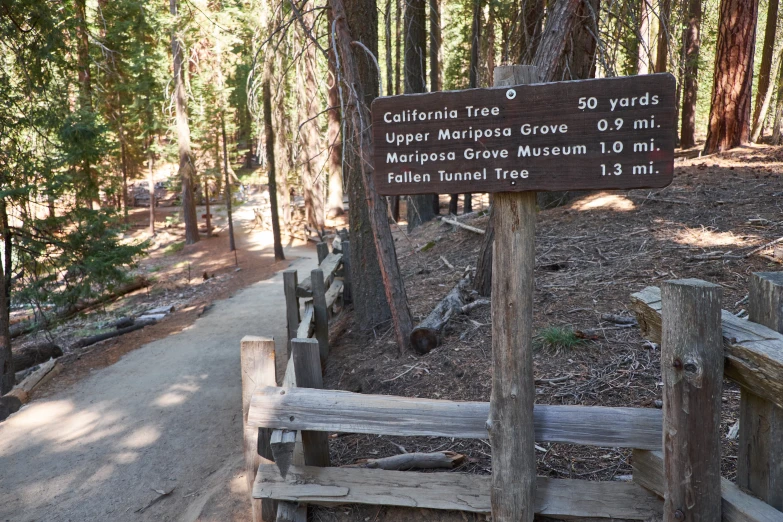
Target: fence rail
297, 418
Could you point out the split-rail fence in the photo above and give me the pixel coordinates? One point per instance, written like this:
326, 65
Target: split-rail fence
676, 450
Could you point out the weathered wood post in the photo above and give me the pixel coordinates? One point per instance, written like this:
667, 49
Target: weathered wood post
323, 250
307, 368
513, 390
257, 359
760, 456
320, 313
290, 281
692, 368
346, 248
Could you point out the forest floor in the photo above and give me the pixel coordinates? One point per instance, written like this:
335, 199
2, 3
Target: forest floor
591, 255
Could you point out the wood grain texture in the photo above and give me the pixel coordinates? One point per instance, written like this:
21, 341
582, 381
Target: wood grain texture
291, 512
322, 250
320, 313
348, 412
334, 292
329, 266
554, 104
305, 356
511, 433
257, 360
760, 453
291, 305
736, 505
306, 326
692, 373
754, 353
454, 491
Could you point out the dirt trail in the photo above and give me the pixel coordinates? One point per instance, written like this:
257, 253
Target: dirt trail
166, 416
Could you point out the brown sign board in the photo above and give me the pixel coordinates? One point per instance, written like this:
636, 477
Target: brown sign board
608, 133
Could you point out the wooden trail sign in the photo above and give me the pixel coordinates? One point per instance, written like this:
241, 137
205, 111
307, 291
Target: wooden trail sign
609, 133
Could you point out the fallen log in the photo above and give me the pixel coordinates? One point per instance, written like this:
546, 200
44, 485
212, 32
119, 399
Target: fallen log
29, 356
475, 230
425, 337
25, 327
408, 461
13, 400
87, 341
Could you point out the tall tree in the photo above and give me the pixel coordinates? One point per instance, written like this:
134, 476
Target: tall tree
270, 161
187, 170
89, 189
309, 135
420, 207
435, 44
729, 123
334, 161
370, 305
664, 36
691, 43
531, 16
763, 93
777, 126
643, 50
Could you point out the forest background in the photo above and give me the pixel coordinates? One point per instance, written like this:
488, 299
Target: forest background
96, 95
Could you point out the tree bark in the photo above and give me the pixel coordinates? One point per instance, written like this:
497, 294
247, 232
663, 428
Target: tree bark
420, 206
270, 159
7, 379
88, 188
691, 43
151, 181
435, 45
387, 26
360, 15
664, 36
531, 16
231, 244
777, 126
334, 206
309, 135
187, 171
729, 124
762, 100
643, 50
558, 28
370, 305
398, 51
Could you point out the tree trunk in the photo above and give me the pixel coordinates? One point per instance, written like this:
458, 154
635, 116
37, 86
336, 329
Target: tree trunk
231, 244
435, 45
309, 135
387, 25
531, 16
420, 206
398, 47
361, 16
729, 124
370, 304
473, 82
762, 100
88, 188
579, 63
270, 161
187, 171
558, 28
691, 43
7, 379
151, 181
334, 161
777, 126
643, 51
664, 36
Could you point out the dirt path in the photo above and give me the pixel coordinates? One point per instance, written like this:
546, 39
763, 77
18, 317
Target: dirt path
166, 416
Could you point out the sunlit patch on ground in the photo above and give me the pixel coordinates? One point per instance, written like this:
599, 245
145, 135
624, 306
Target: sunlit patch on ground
704, 237
605, 201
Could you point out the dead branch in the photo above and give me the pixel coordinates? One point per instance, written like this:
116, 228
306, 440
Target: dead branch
407, 461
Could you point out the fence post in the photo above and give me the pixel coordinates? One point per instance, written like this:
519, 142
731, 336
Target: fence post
346, 248
692, 369
323, 251
320, 314
510, 423
759, 460
307, 368
257, 360
290, 281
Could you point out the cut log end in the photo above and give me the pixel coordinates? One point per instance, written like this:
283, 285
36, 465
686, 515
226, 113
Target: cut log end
424, 340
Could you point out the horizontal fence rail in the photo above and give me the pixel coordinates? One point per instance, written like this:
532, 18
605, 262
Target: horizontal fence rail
457, 491
348, 412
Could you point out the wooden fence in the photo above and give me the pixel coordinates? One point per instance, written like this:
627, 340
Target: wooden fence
676, 451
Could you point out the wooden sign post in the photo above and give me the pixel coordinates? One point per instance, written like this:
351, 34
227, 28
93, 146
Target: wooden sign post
514, 139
